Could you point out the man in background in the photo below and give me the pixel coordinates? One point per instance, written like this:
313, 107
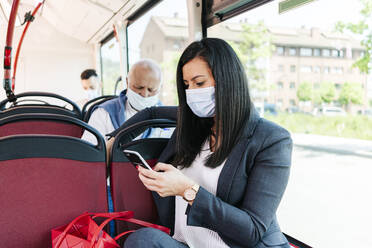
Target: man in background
143, 87
91, 85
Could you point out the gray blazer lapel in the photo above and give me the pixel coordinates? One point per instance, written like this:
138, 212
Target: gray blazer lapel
235, 157
228, 171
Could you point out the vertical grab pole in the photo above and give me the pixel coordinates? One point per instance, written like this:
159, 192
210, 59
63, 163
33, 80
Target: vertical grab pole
20, 43
194, 10
8, 52
122, 37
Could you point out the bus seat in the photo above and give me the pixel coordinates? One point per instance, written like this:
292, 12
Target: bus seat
33, 102
88, 107
128, 192
41, 124
47, 181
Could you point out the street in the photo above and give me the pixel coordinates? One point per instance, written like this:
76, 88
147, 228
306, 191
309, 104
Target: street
328, 201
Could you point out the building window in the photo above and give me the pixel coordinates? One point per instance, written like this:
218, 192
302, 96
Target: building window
280, 85
292, 85
305, 51
334, 53
306, 68
341, 53
292, 102
316, 69
326, 70
338, 86
316, 52
326, 53
292, 51
293, 68
280, 50
337, 70
177, 45
280, 103
280, 67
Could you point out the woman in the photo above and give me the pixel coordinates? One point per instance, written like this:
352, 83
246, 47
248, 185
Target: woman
225, 169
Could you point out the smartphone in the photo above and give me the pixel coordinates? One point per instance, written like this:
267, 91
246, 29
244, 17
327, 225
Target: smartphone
136, 159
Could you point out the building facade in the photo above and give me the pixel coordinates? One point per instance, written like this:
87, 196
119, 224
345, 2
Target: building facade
300, 55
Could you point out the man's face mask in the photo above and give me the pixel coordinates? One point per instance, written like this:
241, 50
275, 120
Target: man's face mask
201, 101
91, 94
139, 102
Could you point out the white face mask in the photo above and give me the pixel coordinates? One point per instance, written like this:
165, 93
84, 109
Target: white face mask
202, 101
139, 102
91, 94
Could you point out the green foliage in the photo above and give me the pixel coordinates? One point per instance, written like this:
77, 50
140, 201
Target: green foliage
370, 102
169, 70
256, 46
327, 92
362, 28
351, 93
305, 92
358, 127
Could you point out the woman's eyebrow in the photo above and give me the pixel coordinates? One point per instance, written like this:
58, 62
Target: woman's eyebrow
193, 79
197, 76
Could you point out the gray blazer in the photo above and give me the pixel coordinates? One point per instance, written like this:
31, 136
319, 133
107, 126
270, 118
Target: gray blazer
249, 189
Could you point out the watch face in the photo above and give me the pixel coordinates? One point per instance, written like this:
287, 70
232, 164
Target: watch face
190, 194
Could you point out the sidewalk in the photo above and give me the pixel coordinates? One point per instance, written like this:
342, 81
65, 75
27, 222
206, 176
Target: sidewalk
333, 144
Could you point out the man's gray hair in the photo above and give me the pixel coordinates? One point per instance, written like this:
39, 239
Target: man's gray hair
148, 64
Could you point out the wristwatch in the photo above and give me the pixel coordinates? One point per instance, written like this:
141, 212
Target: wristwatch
190, 193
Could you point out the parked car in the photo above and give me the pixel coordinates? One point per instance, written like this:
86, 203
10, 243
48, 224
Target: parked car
265, 108
367, 112
270, 109
329, 111
292, 109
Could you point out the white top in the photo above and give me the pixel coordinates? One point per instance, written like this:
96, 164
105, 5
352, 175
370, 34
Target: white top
208, 179
100, 120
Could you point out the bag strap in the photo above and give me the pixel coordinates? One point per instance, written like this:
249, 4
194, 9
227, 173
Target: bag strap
142, 223
118, 216
127, 214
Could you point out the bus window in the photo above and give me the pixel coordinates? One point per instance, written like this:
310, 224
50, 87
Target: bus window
110, 65
161, 35
325, 204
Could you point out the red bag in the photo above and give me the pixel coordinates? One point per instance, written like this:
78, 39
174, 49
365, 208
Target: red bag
83, 231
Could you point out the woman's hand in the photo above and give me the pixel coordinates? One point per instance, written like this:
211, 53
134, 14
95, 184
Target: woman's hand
169, 182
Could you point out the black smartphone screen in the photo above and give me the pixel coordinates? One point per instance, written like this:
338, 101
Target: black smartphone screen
136, 159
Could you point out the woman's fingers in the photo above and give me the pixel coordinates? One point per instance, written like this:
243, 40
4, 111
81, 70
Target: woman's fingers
148, 173
147, 180
163, 167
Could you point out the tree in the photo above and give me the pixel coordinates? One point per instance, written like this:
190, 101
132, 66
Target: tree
351, 93
255, 48
363, 28
305, 92
169, 70
327, 92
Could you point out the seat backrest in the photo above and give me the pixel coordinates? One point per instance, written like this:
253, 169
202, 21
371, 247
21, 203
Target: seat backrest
128, 192
33, 102
41, 124
89, 106
47, 181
